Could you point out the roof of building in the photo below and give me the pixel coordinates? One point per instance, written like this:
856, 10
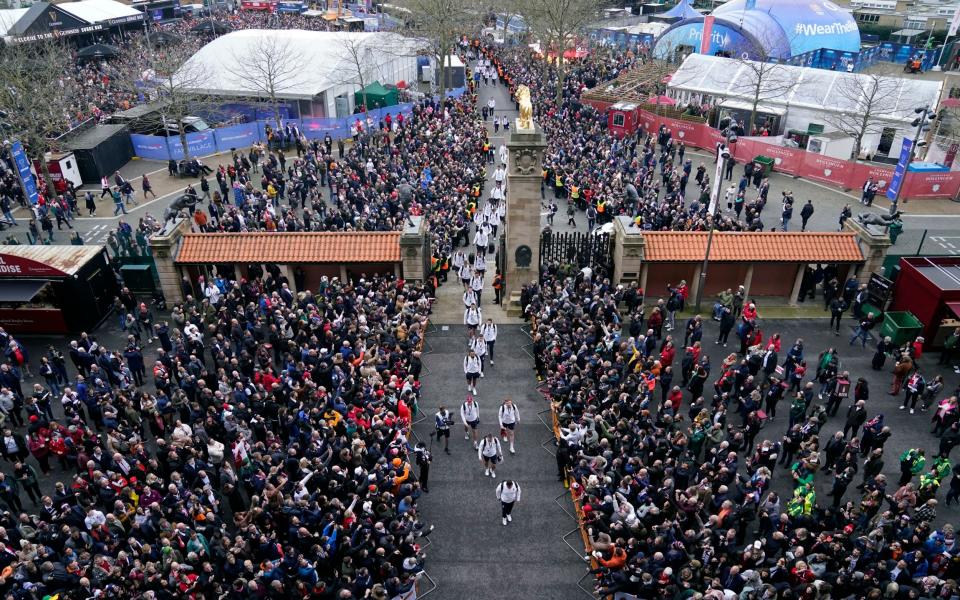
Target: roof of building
815, 89
219, 68
683, 246
66, 259
322, 247
9, 17
100, 11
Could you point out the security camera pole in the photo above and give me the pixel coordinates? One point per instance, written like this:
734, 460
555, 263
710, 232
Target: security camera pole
723, 153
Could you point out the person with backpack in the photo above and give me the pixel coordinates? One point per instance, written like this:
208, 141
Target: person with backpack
490, 453
470, 415
508, 493
509, 417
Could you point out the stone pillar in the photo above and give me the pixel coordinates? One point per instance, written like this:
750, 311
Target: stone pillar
522, 228
797, 282
746, 283
414, 249
697, 282
164, 246
874, 243
287, 272
628, 248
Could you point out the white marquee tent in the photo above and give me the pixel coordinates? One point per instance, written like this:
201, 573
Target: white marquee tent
329, 65
804, 94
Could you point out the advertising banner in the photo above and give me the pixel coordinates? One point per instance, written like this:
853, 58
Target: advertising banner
881, 175
236, 136
647, 120
200, 143
827, 169
684, 131
315, 128
785, 160
33, 320
901, 168
27, 183
152, 147
931, 185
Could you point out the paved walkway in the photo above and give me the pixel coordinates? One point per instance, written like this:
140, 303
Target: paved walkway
472, 555
449, 307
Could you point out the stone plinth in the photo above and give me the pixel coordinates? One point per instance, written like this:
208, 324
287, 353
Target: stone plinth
874, 243
164, 247
524, 173
415, 250
628, 249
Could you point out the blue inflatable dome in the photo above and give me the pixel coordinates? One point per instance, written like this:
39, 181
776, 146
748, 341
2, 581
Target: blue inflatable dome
761, 29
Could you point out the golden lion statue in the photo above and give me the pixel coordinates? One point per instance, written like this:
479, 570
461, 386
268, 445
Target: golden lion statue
526, 108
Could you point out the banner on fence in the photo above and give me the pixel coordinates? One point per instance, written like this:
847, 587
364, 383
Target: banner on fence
831, 170
151, 147
200, 143
236, 136
931, 185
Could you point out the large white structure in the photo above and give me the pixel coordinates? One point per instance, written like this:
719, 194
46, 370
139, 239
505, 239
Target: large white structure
331, 64
809, 100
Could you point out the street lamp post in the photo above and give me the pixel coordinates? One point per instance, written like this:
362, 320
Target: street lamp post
723, 154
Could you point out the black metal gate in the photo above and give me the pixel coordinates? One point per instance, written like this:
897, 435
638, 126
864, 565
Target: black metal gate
577, 250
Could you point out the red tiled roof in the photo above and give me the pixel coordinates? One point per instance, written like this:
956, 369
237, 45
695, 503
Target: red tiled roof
683, 246
320, 247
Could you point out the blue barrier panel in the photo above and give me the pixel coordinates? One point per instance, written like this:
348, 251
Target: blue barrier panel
318, 128
236, 136
200, 144
152, 147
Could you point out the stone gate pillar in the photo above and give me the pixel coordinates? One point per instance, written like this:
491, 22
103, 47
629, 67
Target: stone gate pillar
415, 250
874, 243
164, 246
522, 231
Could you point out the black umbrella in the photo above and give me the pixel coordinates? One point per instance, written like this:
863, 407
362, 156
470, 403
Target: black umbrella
162, 38
98, 51
211, 26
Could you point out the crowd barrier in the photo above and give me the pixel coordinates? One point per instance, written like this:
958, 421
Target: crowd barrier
837, 172
203, 143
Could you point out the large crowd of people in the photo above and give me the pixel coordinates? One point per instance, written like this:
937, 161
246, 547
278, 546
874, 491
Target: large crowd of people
263, 454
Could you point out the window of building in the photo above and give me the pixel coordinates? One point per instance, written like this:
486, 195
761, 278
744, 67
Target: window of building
618, 119
868, 18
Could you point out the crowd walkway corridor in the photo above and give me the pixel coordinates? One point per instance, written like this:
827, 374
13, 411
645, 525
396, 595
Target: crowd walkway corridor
471, 554
449, 306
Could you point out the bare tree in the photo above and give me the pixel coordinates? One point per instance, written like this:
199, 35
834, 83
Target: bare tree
37, 98
270, 67
869, 101
559, 22
761, 80
442, 22
176, 84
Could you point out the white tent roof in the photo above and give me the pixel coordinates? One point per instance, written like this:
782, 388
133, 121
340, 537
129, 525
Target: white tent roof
10, 16
817, 89
98, 11
327, 58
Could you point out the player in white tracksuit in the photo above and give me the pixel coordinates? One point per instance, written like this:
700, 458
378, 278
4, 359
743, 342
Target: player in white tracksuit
489, 332
479, 348
472, 368
508, 493
490, 453
509, 416
470, 415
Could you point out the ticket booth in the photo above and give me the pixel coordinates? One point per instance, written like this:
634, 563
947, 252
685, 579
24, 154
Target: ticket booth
622, 119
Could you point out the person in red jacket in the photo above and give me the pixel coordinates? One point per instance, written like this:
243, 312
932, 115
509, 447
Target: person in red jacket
667, 354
